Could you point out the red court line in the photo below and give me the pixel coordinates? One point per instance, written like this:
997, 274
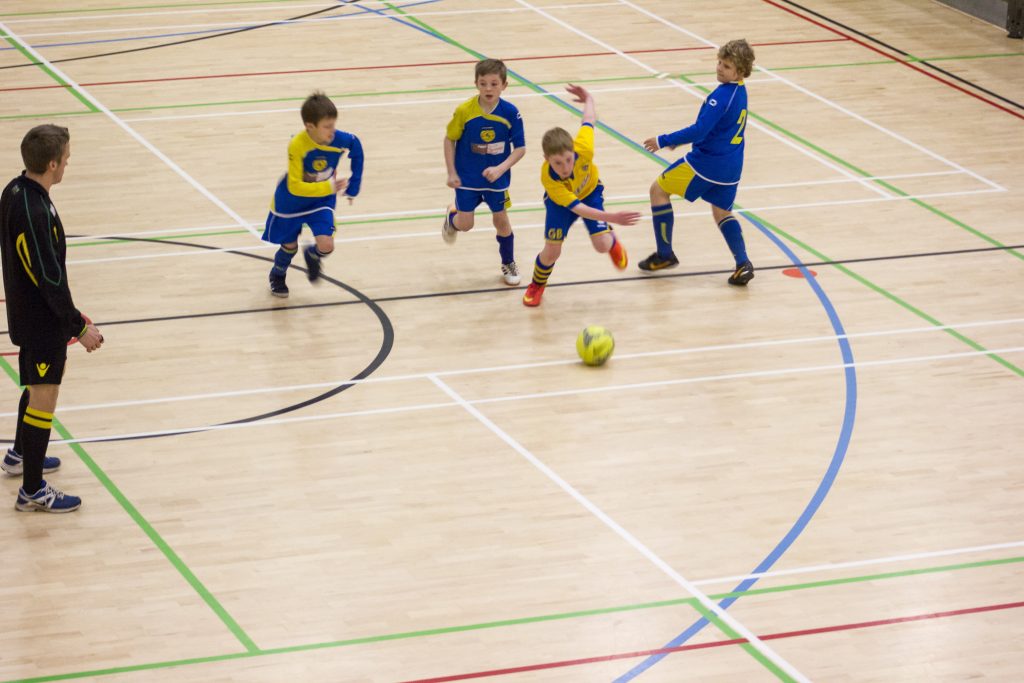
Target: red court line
719, 643
402, 66
896, 59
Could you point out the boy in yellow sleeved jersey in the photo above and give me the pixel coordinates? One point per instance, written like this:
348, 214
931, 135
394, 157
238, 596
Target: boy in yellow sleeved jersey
307, 194
572, 189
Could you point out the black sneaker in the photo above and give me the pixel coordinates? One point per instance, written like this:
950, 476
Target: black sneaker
655, 262
743, 275
313, 267
278, 287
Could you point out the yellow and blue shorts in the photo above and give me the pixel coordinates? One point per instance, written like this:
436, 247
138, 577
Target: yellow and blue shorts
682, 180
559, 218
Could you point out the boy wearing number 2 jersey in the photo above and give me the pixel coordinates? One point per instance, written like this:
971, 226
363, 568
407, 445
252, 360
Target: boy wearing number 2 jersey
711, 169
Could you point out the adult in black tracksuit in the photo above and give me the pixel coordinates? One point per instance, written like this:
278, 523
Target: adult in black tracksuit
41, 316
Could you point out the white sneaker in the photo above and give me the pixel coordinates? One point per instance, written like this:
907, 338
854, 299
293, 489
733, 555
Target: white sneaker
448, 231
510, 271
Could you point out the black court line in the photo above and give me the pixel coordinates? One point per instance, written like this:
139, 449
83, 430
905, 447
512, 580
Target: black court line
492, 290
904, 53
341, 4
387, 344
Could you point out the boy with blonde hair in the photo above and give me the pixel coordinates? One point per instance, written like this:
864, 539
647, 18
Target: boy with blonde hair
711, 169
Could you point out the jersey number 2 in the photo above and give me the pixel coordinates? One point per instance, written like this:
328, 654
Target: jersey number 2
743, 123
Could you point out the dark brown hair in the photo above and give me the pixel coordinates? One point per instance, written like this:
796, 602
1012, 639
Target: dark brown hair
44, 144
318, 107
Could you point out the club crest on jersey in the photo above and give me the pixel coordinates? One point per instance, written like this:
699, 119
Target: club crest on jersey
487, 135
319, 164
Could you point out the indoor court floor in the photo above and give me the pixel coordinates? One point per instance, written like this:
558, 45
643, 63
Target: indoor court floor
404, 475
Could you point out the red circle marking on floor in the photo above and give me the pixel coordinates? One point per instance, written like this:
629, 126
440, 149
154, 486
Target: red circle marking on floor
796, 272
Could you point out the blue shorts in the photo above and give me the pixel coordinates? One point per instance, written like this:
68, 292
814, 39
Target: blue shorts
559, 218
468, 200
285, 230
681, 179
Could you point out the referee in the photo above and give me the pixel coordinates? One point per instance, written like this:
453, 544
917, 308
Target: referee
41, 317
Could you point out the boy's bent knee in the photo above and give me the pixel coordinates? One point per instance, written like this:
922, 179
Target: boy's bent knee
658, 195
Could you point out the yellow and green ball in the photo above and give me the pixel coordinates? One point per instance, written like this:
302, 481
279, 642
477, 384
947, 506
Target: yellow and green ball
595, 345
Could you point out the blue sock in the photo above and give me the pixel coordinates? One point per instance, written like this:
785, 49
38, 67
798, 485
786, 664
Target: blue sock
664, 219
315, 252
733, 234
505, 247
283, 259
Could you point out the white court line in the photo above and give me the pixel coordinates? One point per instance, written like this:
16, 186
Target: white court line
780, 372
771, 343
833, 566
688, 89
132, 132
338, 239
284, 22
621, 532
433, 211
826, 101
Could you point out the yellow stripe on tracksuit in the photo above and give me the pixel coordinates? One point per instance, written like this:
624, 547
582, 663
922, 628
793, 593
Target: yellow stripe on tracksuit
21, 246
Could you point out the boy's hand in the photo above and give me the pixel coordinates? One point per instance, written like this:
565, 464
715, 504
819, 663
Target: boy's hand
454, 181
340, 184
579, 93
651, 144
492, 173
623, 217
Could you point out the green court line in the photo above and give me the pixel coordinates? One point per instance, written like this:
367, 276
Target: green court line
253, 651
146, 527
404, 635
339, 222
161, 6
427, 91
746, 645
50, 72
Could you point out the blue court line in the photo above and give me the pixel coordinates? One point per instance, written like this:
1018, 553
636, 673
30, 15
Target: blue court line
830, 474
362, 10
845, 432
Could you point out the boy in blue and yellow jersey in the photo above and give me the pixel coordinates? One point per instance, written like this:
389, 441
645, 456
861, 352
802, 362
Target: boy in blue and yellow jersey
483, 141
573, 189
711, 169
307, 193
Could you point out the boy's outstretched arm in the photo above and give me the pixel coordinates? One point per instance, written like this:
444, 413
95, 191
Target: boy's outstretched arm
616, 217
583, 97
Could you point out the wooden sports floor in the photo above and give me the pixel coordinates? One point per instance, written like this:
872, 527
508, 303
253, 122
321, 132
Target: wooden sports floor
402, 474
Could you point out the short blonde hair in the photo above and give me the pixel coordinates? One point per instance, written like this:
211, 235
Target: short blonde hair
556, 141
740, 54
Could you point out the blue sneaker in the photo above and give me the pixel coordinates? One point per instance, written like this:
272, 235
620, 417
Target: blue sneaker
12, 463
46, 499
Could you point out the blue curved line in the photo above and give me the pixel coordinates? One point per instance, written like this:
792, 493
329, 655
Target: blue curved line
844, 345
826, 483
362, 10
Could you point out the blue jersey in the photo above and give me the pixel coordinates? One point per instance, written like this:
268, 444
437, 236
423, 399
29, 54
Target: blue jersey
483, 140
717, 135
307, 186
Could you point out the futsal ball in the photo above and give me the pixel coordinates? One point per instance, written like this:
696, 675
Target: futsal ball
595, 345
